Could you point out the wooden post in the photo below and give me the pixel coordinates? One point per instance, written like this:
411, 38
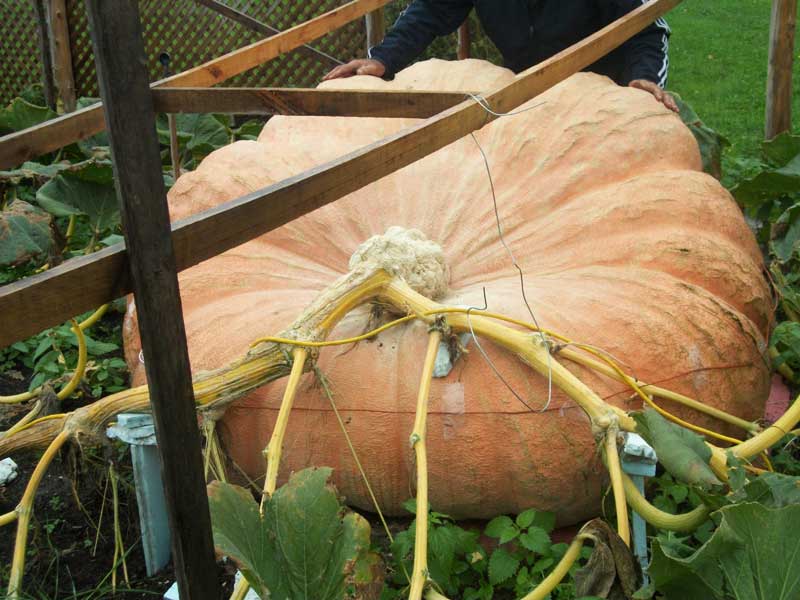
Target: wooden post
130, 120
48, 83
62, 54
779, 70
464, 41
376, 28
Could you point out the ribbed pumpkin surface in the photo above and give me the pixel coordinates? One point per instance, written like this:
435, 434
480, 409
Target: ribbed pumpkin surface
625, 245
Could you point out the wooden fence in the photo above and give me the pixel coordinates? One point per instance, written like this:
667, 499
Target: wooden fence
189, 31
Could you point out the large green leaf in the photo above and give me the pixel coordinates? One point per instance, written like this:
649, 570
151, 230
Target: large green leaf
199, 133
67, 194
768, 184
781, 149
302, 548
752, 555
21, 114
682, 452
25, 234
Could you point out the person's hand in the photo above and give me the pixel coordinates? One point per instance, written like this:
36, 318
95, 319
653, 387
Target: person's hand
660, 95
360, 66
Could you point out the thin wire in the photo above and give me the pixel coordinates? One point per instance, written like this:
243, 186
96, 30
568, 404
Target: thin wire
486, 356
545, 342
485, 105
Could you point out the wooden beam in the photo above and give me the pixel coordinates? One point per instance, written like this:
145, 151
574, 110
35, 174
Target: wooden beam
48, 83
300, 101
62, 59
464, 41
50, 298
264, 29
124, 87
46, 137
376, 28
779, 70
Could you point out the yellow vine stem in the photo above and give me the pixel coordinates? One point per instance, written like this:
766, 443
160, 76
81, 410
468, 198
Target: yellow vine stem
419, 573
657, 391
8, 518
658, 518
610, 369
272, 453
549, 583
24, 511
615, 471
628, 380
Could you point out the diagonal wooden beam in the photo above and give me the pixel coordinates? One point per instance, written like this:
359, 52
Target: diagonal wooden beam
23, 145
300, 101
124, 86
49, 298
264, 29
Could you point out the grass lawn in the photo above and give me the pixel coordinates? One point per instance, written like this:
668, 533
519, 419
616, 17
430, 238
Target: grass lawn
718, 55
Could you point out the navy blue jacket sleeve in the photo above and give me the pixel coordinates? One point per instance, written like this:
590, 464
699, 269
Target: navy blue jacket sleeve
418, 25
646, 53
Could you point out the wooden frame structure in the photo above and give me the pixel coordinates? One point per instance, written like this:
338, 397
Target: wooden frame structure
155, 251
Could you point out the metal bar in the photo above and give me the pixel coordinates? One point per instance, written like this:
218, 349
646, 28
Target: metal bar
263, 28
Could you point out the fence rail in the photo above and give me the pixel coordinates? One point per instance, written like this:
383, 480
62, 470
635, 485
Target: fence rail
188, 31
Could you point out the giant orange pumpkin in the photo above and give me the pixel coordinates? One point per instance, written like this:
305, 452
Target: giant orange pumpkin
625, 245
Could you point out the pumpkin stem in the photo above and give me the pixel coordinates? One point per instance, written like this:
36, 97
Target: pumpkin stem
419, 574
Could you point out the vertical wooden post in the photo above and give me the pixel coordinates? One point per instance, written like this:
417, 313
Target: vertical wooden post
130, 119
779, 71
464, 41
376, 28
48, 83
62, 53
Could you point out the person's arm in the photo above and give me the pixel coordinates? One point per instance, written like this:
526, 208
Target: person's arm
418, 25
646, 54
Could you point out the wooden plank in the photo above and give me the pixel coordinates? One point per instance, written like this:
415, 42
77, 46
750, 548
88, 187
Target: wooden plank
130, 118
779, 72
35, 141
62, 58
376, 28
301, 101
264, 29
29, 306
464, 41
48, 82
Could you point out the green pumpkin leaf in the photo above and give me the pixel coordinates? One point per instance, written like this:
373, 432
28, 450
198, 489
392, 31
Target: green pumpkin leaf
781, 149
751, 556
26, 234
21, 114
302, 548
710, 142
68, 195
